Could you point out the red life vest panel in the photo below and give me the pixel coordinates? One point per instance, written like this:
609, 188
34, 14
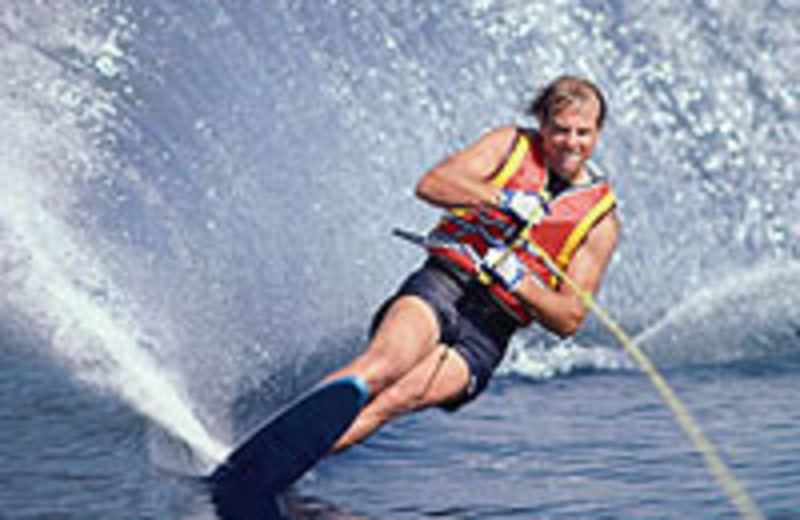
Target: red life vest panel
463, 235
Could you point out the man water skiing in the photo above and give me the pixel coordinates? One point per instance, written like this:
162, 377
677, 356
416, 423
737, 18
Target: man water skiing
510, 196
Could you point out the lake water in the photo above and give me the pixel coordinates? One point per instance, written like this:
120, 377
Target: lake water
195, 217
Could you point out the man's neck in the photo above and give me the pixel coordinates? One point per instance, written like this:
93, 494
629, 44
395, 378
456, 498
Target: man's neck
564, 181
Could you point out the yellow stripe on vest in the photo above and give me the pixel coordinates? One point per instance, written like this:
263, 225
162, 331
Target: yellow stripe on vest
511, 165
521, 147
581, 230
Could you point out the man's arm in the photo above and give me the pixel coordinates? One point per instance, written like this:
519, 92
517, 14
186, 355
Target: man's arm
463, 178
563, 311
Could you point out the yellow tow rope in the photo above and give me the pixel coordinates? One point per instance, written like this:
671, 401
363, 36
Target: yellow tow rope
735, 491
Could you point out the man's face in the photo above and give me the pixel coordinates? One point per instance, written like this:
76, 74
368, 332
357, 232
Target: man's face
569, 138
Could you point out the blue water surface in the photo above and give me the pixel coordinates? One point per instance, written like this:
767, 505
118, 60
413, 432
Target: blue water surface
196, 205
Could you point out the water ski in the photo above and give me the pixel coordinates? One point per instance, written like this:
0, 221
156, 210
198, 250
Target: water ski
245, 486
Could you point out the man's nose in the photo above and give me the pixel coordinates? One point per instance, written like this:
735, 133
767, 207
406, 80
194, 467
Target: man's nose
573, 140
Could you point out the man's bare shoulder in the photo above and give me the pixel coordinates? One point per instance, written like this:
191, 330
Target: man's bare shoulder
481, 157
499, 138
603, 238
593, 256
489, 150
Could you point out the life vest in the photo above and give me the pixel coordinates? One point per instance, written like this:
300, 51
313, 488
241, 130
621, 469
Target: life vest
462, 236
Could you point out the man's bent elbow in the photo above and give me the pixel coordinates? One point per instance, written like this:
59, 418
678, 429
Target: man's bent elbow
425, 188
569, 324
565, 330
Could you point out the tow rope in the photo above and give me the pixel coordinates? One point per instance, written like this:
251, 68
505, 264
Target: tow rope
733, 489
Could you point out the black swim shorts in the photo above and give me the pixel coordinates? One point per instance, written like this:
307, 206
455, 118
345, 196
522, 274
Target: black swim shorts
470, 320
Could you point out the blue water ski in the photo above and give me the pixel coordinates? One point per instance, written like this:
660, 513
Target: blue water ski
245, 486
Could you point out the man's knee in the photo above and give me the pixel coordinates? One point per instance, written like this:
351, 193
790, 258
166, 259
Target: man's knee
378, 370
434, 382
387, 361
396, 401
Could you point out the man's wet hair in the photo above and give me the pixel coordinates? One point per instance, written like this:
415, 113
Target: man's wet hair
562, 92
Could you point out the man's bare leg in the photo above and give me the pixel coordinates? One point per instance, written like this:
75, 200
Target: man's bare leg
440, 378
408, 333
405, 368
